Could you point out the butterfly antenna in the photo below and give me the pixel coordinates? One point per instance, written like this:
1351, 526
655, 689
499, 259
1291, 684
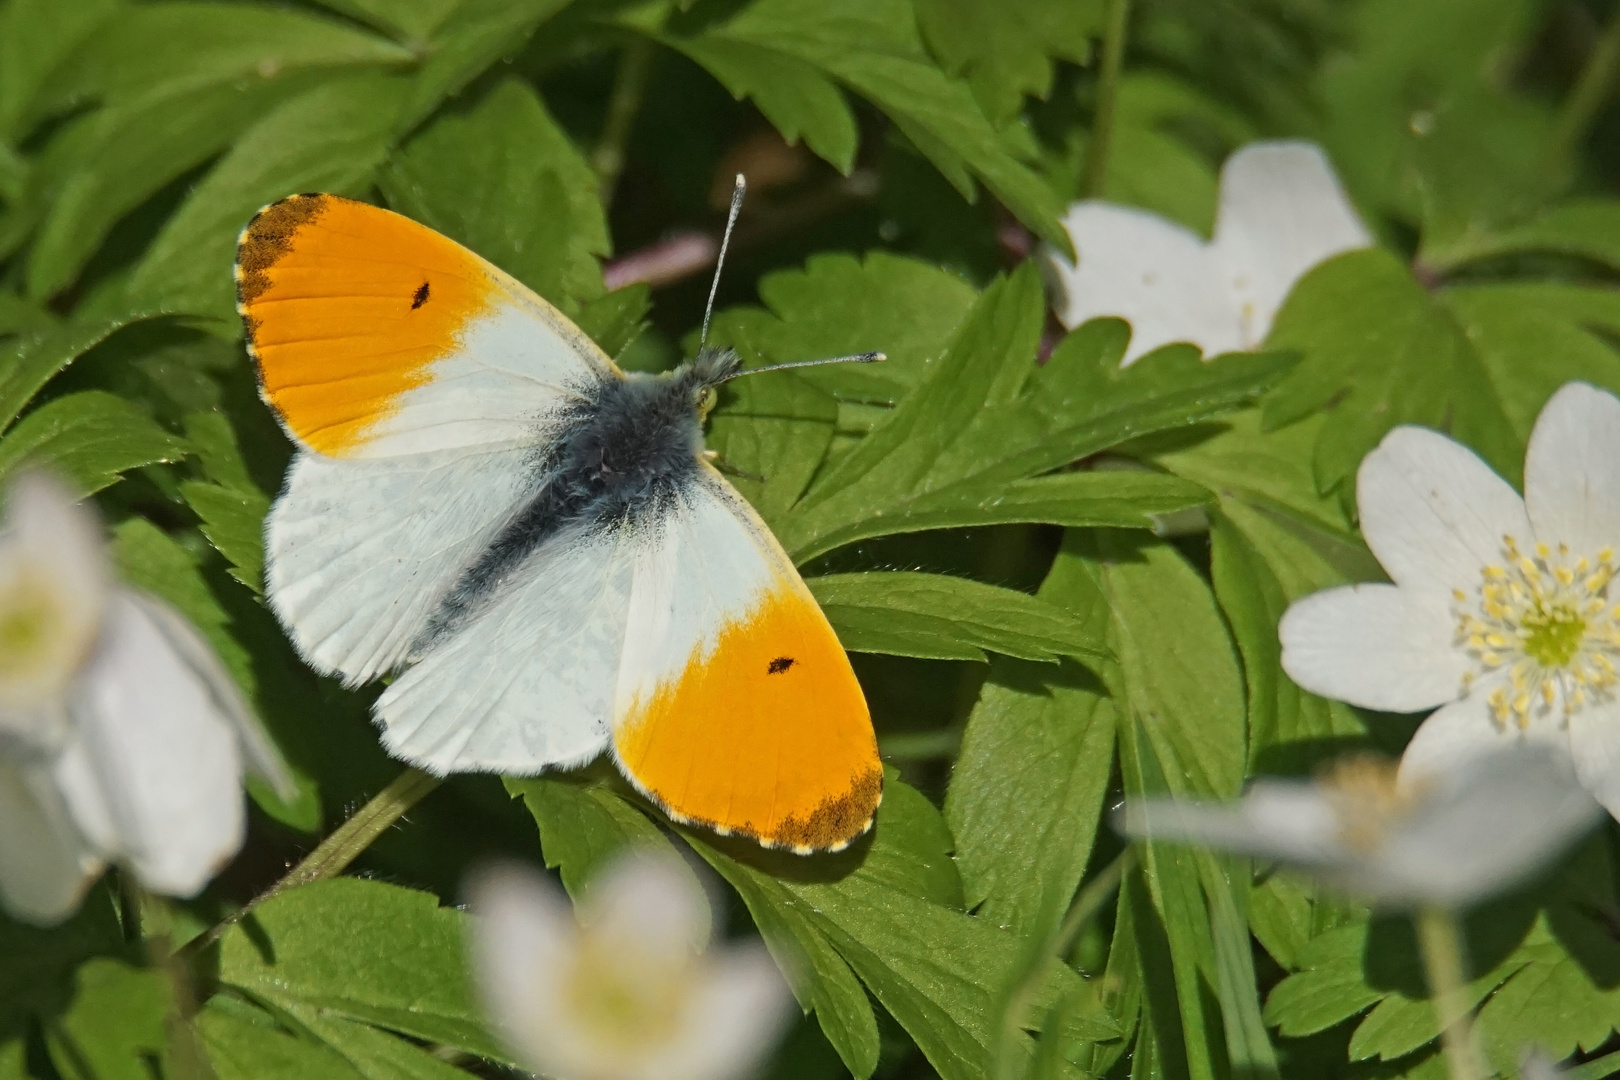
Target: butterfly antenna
720, 263
858, 358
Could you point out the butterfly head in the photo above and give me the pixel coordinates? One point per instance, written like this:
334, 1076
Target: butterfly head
705, 372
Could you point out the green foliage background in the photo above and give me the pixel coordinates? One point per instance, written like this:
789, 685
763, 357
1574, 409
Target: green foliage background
1031, 647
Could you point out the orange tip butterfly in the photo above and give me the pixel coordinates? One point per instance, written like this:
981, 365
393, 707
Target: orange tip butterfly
484, 502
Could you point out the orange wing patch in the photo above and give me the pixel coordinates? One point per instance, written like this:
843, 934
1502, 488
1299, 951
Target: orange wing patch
346, 306
767, 736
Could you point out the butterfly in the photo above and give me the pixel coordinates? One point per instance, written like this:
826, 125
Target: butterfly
534, 539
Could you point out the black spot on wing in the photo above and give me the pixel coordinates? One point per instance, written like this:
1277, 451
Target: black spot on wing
420, 297
779, 665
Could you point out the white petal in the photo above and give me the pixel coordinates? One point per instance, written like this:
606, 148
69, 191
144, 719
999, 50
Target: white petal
1282, 211
1594, 742
52, 593
1501, 818
652, 902
1275, 819
259, 754
1377, 646
1158, 276
1572, 470
741, 1009
1465, 730
45, 862
166, 758
523, 940
1433, 512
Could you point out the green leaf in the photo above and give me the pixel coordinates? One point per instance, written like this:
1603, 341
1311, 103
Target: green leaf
1006, 51
115, 1023
412, 20
1587, 228
375, 953
793, 94
1226, 890
232, 507
1027, 788
583, 825
242, 1046
1380, 352
503, 179
480, 33
838, 305
872, 47
937, 616
38, 975
332, 138
90, 438
28, 363
373, 1054
771, 434
34, 37
884, 906
1329, 986
111, 161
180, 46
1179, 674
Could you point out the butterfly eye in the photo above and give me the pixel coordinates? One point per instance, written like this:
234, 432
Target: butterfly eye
708, 400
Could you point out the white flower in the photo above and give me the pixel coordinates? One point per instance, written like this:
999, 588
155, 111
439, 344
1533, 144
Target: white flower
1446, 841
1281, 212
627, 992
1501, 609
121, 736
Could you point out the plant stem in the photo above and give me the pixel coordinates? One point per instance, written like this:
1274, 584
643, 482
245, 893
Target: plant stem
1102, 127
1588, 96
1440, 941
629, 84
342, 847
1021, 996
154, 923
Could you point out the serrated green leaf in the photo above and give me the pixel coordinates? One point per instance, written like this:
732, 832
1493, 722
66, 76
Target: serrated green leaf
771, 434
504, 179
1380, 352
28, 363
373, 1054
1329, 986
614, 320
795, 96
232, 507
883, 906
116, 1022
184, 45
872, 47
1006, 51
583, 825
371, 952
90, 438
1027, 789
937, 616
332, 138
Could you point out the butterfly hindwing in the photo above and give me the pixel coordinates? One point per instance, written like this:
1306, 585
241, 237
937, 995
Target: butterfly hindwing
737, 708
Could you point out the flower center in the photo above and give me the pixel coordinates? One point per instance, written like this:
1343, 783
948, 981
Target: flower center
1545, 620
1361, 788
627, 1002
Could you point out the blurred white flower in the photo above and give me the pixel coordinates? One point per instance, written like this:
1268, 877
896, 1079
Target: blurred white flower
628, 992
1500, 610
1281, 212
122, 739
1446, 841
